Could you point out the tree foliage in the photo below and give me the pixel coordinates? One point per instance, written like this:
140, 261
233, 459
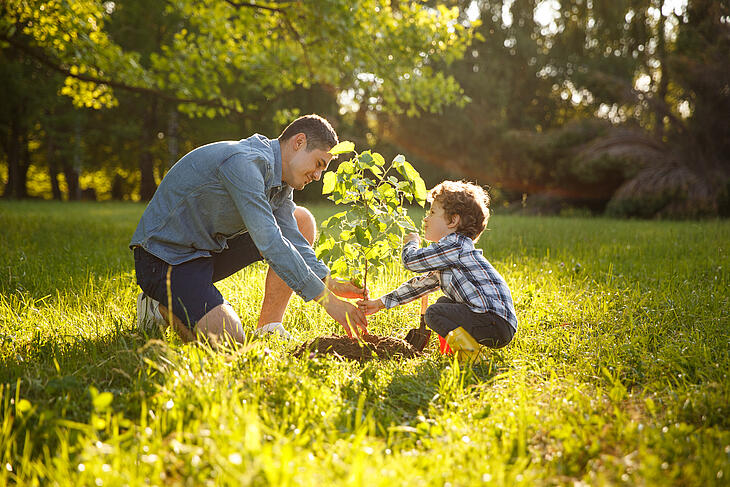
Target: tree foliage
577, 99
232, 59
356, 241
215, 55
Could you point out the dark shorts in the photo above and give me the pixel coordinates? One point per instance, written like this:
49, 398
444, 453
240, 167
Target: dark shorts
489, 329
191, 283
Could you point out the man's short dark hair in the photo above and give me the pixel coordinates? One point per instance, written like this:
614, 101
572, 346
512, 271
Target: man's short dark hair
319, 132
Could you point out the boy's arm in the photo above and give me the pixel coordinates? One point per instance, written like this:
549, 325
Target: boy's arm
437, 256
412, 289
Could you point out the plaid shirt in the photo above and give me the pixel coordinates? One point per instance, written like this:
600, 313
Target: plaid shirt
462, 273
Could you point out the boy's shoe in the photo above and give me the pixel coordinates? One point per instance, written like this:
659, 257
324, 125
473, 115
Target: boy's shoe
462, 342
276, 328
444, 347
149, 318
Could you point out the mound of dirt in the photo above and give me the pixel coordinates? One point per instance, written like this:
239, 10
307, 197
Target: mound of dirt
371, 346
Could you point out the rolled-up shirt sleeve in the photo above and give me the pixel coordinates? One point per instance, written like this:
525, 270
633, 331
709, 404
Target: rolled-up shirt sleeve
247, 189
287, 222
412, 289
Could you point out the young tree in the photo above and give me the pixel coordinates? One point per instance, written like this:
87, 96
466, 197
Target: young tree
356, 241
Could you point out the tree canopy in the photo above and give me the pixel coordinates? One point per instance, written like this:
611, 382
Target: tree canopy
616, 106
217, 58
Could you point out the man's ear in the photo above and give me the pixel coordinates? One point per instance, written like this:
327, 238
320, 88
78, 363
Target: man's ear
300, 141
454, 221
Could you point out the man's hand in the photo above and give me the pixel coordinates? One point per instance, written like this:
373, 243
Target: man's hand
411, 237
345, 289
370, 306
344, 313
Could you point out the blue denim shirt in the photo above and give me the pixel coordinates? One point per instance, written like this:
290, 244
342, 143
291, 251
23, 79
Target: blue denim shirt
221, 190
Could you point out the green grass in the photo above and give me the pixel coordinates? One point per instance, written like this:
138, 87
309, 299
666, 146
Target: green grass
617, 375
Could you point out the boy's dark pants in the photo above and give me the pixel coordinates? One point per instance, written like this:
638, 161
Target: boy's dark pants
488, 329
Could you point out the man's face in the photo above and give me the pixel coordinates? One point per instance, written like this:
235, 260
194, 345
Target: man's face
306, 167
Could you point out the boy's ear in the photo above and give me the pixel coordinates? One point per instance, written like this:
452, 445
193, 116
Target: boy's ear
454, 221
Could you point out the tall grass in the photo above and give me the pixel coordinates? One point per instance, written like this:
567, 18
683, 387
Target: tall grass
617, 375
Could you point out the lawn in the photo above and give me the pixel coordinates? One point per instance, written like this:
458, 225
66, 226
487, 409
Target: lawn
618, 373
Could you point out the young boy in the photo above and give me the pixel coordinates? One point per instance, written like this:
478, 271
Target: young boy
477, 307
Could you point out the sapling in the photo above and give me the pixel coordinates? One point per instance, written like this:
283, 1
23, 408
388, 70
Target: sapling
355, 242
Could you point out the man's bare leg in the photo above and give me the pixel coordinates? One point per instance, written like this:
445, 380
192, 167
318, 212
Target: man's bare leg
276, 292
218, 325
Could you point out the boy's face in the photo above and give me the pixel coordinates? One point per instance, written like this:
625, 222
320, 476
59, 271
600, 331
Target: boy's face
437, 224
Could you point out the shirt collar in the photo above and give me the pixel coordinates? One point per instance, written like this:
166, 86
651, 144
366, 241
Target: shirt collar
277, 162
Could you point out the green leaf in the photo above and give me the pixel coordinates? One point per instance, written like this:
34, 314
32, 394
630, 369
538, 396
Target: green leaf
410, 171
342, 148
346, 168
420, 191
408, 225
362, 236
339, 268
328, 182
379, 160
349, 251
394, 240
365, 160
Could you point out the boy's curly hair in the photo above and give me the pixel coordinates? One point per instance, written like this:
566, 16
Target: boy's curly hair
467, 200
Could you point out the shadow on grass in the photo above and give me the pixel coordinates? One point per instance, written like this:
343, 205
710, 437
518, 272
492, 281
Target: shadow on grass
55, 375
411, 392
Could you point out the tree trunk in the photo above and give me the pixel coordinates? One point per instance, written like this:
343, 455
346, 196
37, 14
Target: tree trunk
53, 168
13, 152
21, 186
146, 159
661, 94
72, 182
172, 137
18, 160
72, 171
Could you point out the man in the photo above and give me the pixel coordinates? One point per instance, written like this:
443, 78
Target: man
224, 206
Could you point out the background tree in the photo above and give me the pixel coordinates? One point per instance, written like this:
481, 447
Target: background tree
225, 57
588, 103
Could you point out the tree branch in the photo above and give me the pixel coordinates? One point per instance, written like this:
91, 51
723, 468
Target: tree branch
56, 66
289, 25
255, 5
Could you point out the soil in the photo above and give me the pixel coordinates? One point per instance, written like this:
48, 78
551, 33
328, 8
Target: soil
371, 347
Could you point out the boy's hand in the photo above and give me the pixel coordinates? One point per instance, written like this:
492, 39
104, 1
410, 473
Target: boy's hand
370, 306
345, 289
411, 237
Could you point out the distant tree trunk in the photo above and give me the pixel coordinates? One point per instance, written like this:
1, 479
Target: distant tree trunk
146, 159
18, 160
172, 137
12, 149
72, 182
53, 168
661, 94
21, 186
73, 171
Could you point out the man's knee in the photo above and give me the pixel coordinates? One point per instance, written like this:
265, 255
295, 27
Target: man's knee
219, 323
306, 223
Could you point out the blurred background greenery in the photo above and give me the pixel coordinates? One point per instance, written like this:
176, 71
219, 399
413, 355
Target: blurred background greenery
560, 107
